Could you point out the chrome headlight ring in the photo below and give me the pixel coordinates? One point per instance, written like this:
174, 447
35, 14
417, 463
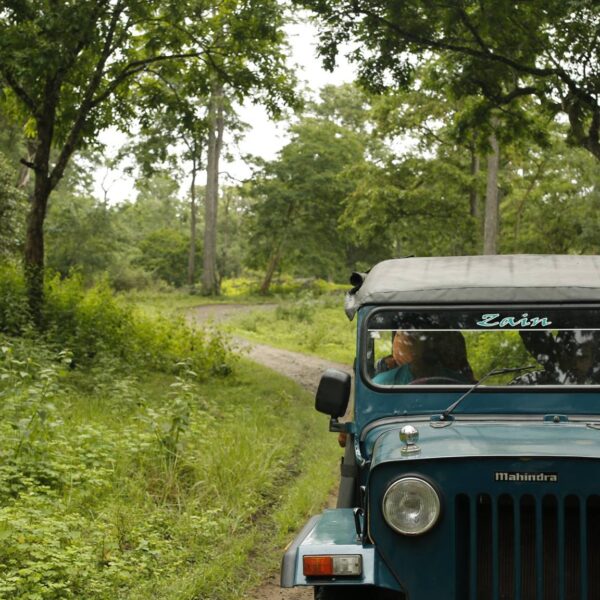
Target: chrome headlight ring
411, 506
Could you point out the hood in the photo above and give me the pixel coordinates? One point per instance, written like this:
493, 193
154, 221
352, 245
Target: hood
460, 440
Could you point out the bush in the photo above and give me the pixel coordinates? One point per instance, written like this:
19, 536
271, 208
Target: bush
14, 312
93, 325
283, 285
302, 311
125, 277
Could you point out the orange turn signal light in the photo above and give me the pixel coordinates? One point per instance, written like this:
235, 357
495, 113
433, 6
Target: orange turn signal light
336, 565
318, 566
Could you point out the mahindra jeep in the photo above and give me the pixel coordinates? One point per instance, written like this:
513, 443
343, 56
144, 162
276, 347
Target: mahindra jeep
472, 458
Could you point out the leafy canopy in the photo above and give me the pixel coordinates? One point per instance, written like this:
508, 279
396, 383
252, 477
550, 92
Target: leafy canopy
501, 50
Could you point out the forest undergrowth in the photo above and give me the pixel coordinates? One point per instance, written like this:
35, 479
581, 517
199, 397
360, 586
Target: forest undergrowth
141, 459
311, 324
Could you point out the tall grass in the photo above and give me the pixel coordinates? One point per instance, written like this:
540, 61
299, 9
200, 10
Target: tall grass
139, 459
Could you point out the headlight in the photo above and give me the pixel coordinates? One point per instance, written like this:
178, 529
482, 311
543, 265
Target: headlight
411, 506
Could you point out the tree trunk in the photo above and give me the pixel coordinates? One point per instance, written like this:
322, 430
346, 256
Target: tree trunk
474, 192
34, 239
271, 268
34, 247
25, 172
225, 231
490, 230
192, 249
210, 282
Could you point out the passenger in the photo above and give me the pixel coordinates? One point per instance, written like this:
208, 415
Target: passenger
427, 355
580, 349
567, 358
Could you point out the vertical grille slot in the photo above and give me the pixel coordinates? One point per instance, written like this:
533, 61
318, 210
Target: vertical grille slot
550, 548
484, 546
506, 546
593, 547
572, 548
528, 536
527, 548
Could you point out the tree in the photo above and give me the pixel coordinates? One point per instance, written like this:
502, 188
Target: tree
551, 199
545, 49
216, 126
173, 131
298, 198
199, 115
413, 205
437, 117
492, 200
68, 69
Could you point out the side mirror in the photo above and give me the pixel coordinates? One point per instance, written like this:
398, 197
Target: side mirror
333, 393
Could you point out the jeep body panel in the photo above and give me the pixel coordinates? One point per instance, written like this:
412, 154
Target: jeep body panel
333, 532
484, 439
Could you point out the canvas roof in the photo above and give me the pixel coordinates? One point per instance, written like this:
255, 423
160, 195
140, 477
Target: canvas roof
526, 278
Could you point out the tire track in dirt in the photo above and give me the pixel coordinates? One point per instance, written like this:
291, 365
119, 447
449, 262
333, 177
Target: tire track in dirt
305, 370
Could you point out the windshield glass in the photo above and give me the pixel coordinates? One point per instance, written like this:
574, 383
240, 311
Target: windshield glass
459, 347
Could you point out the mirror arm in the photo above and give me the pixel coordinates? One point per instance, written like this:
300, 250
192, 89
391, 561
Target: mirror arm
337, 427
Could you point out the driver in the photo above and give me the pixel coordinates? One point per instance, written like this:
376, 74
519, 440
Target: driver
423, 355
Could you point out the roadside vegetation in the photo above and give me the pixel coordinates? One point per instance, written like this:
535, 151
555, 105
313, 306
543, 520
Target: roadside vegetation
141, 459
309, 324
307, 315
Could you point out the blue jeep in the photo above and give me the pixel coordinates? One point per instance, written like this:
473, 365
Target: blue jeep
472, 461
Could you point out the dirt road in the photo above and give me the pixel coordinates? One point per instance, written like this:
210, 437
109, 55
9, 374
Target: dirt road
305, 370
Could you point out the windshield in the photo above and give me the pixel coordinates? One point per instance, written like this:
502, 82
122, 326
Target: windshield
460, 347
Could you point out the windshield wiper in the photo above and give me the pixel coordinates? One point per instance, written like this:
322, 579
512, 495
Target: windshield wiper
445, 416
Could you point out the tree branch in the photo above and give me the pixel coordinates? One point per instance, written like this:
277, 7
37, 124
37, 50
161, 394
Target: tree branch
467, 23
86, 104
501, 99
136, 67
444, 44
28, 164
19, 91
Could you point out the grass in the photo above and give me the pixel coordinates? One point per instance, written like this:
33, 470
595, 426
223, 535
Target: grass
173, 302
242, 290
315, 326
134, 486
311, 325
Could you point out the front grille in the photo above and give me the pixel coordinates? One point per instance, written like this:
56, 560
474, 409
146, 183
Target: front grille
527, 548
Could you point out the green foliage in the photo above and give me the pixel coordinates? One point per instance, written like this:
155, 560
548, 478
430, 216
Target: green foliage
283, 286
164, 253
552, 204
110, 491
487, 352
14, 314
12, 207
149, 237
501, 52
94, 326
312, 325
297, 199
92, 323
415, 206
78, 228
68, 71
